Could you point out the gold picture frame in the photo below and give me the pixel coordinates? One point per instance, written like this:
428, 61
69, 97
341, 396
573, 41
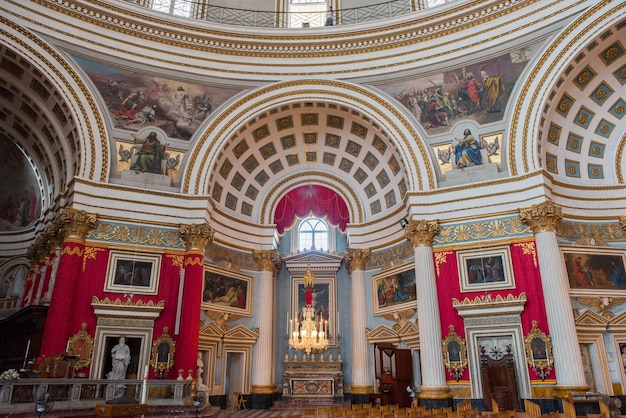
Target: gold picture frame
454, 354
81, 345
163, 349
539, 351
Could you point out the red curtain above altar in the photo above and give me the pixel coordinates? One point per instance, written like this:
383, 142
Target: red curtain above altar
311, 200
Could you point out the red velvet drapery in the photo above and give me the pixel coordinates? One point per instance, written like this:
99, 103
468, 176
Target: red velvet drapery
311, 199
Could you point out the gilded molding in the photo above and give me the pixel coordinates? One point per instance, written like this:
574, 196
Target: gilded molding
441, 257
421, 233
128, 303
487, 301
132, 25
196, 237
528, 248
541, 217
357, 258
136, 234
90, 253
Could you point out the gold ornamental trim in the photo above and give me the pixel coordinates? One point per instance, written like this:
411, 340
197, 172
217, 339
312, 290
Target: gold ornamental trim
263, 389
488, 301
128, 303
361, 389
434, 393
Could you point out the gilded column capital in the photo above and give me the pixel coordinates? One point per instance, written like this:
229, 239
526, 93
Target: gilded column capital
76, 223
541, 217
622, 224
357, 258
421, 233
195, 236
266, 260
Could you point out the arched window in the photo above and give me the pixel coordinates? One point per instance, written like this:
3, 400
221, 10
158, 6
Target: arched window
313, 234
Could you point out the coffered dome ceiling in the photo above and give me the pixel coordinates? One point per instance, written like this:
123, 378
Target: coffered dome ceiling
303, 142
583, 123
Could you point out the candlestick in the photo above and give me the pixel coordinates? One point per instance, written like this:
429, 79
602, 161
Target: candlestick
26, 355
144, 389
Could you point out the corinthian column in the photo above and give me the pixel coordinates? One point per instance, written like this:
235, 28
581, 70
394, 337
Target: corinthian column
568, 365
74, 226
262, 352
196, 238
421, 234
362, 385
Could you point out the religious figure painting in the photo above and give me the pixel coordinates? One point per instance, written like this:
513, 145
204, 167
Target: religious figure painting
135, 100
133, 273
394, 289
20, 197
322, 300
477, 91
590, 270
227, 291
488, 268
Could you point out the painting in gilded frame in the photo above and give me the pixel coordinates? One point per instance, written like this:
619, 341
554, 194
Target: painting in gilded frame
485, 269
598, 270
394, 289
135, 273
227, 291
323, 300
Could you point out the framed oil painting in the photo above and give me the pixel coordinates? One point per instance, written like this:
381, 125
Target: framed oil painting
394, 289
595, 271
485, 269
323, 300
133, 273
227, 291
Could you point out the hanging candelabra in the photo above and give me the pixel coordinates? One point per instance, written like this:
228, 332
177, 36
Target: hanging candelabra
308, 334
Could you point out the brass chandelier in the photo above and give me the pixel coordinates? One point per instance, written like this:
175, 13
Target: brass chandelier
308, 334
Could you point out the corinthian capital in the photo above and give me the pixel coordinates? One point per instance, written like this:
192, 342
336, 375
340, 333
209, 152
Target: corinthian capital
77, 223
421, 233
196, 237
266, 260
541, 217
357, 258
622, 224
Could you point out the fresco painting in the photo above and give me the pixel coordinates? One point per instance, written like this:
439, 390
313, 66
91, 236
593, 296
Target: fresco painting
136, 100
20, 196
477, 92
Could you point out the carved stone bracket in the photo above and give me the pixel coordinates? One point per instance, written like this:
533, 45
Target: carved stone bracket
541, 217
421, 233
266, 260
357, 258
196, 237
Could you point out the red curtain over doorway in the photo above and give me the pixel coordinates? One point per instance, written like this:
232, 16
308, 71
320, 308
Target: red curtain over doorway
311, 200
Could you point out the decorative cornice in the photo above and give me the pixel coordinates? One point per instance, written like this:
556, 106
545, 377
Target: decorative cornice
196, 237
486, 305
421, 233
357, 258
119, 308
541, 217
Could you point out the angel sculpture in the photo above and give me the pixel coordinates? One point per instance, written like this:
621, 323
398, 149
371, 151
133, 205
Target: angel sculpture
125, 153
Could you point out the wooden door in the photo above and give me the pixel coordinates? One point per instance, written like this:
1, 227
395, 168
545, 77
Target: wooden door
499, 381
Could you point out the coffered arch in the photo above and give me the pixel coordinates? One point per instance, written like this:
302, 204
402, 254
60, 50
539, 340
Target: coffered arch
569, 121
328, 129
50, 113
